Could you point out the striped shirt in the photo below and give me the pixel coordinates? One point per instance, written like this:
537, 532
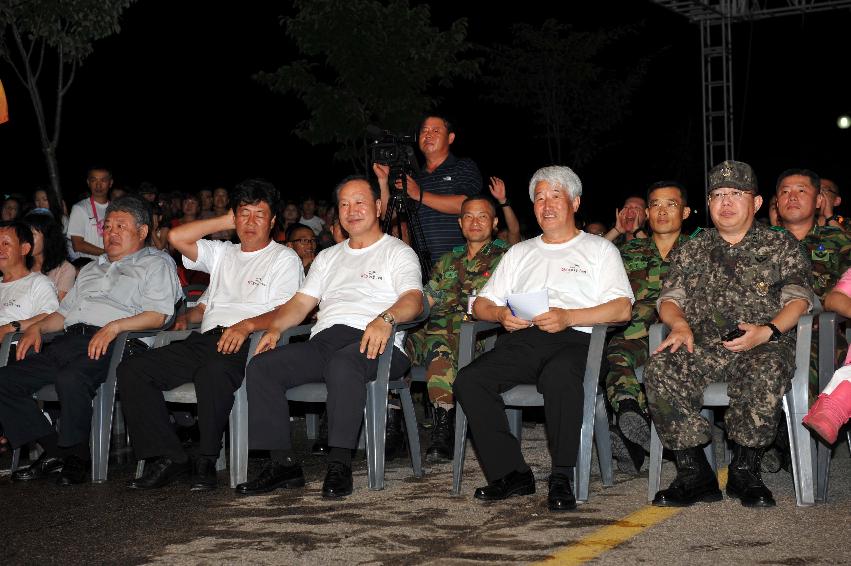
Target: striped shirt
452, 177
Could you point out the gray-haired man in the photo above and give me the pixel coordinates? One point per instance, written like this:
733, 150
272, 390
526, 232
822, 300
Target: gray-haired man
130, 287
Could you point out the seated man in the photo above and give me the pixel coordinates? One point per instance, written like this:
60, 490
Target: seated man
25, 297
363, 286
646, 261
455, 280
246, 279
586, 285
732, 298
302, 240
130, 287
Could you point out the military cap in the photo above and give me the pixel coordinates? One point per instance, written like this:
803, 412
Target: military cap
732, 175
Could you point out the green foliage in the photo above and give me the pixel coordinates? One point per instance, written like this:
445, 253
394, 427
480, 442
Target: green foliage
367, 62
555, 73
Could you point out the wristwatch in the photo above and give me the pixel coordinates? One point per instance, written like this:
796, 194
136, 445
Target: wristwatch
506, 203
387, 317
775, 332
16, 326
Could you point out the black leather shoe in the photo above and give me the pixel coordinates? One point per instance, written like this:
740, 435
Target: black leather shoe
695, 481
74, 472
442, 435
160, 473
561, 496
204, 475
271, 477
515, 483
42, 467
338, 480
745, 480
394, 437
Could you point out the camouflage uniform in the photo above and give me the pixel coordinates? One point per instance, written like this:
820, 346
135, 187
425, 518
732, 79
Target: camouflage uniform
628, 350
828, 248
717, 286
453, 280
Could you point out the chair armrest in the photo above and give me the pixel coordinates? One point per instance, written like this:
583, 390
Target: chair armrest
291, 333
6, 346
658, 332
467, 342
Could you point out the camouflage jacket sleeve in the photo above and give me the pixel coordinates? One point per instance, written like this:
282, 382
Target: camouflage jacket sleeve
438, 285
683, 263
795, 274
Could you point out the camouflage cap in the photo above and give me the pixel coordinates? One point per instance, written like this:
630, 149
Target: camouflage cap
732, 175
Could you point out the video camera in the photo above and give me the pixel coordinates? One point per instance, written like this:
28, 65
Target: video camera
395, 150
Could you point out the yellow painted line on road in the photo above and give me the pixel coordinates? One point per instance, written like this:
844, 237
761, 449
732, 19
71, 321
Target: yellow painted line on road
605, 539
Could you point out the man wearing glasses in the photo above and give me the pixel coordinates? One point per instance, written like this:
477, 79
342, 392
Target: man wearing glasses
731, 298
302, 240
647, 261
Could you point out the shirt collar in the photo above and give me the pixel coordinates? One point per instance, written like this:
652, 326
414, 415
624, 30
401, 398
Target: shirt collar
132, 258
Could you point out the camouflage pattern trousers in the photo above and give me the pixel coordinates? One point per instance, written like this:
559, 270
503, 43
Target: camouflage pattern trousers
624, 357
439, 354
756, 381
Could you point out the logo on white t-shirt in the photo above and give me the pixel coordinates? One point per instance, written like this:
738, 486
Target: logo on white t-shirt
11, 303
372, 275
258, 281
574, 269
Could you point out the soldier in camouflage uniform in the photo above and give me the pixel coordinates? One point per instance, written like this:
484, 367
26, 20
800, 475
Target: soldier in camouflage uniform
741, 277
457, 276
646, 261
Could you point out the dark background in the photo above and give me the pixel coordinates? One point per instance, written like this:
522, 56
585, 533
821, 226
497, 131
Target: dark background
171, 100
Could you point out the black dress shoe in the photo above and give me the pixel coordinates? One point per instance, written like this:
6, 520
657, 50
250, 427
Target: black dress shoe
561, 497
515, 483
160, 473
272, 476
338, 480
204, 475
41, 468
74, 472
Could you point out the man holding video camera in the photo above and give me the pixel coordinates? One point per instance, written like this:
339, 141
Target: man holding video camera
441, 186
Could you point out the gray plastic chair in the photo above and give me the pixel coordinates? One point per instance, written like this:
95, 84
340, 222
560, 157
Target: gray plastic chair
375, 410
794, 405
595, 422
828, 322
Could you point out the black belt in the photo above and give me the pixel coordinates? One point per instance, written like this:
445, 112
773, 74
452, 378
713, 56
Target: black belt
216, 330
82, 329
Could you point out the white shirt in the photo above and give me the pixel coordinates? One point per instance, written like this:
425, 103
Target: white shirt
583, 272
84, 222
26, 298
245, 284
315, 223
356, 285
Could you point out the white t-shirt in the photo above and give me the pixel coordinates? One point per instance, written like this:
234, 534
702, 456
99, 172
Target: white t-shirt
584, 272
315, 223
26, 298
84, 222
245, 284
356, 285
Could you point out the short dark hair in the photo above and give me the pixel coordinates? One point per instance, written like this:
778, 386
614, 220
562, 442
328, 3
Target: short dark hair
376, 192
812, 175
665, 184
481, 197
450, 127
55, 250
98, 167
25, 236
253, 191
297, 226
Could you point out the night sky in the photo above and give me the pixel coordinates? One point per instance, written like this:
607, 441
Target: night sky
171, 100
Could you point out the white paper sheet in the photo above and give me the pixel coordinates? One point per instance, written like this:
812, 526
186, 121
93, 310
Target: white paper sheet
529, 305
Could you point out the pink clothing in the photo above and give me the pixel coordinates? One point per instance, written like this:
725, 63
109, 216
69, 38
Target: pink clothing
62, 277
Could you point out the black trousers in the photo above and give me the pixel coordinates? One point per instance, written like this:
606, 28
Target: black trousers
65, 363
555, 363
143, 378
331, 357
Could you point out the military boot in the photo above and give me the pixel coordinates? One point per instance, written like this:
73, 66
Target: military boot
745, 480
394, 437
695, 481
442, 435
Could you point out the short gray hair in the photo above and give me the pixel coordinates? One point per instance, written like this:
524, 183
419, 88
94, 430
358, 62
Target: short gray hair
560, 175
134, 206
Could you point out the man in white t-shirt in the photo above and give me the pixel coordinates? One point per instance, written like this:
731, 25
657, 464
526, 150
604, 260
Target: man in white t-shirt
586, 284
308, 216
246, 279
363, 286
85, 223
25, 297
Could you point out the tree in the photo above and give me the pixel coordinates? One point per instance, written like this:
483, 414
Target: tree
553, 72
367, 62
53, 36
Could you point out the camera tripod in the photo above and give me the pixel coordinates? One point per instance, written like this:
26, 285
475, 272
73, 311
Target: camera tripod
399, 208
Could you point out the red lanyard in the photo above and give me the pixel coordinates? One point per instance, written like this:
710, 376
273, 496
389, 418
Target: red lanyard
97, 220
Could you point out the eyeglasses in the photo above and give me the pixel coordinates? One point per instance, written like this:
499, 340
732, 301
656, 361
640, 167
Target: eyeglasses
305, 241
733, 195
671, 204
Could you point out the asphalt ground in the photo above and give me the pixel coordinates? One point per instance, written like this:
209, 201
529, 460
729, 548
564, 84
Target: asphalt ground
412, 521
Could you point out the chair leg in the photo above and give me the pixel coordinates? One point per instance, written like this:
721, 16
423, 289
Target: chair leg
16, 459
140, 468
603, 442
515, 422
801, 449
375, 417
709, 449
655, 465
413, 431
312, 422
582, 472
101, 432
239, 437
823, 454
460, 448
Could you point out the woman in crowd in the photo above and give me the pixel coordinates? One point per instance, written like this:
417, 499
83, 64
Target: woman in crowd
221, 201
49, 251
11, 209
